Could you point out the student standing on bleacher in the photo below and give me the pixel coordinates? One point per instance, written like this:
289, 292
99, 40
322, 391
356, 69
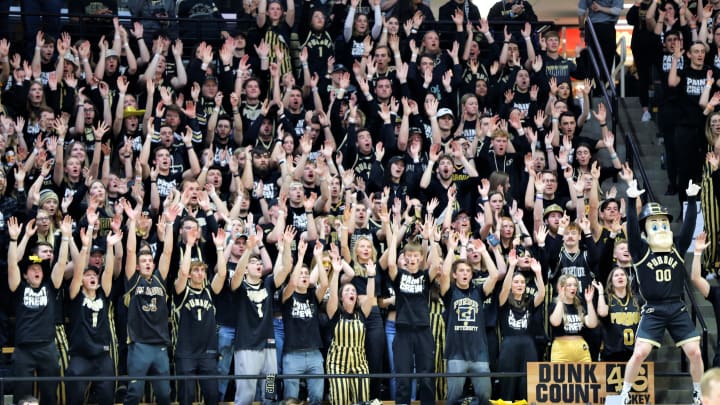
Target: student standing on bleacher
90, 334
34, 295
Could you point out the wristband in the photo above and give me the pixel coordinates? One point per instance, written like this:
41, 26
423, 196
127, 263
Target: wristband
65, 239
604, 124
613, 156
219, 249
13, 240
261, 247
697, 254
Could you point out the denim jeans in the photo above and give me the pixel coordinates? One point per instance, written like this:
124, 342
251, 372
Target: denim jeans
279, 341
304, 362
144, 359
226, 338
390, 338
480, 384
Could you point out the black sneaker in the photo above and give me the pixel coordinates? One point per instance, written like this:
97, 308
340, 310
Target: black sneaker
120, 394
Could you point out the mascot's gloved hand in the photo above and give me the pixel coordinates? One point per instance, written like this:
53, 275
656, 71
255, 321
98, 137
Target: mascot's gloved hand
633, 192
692, 189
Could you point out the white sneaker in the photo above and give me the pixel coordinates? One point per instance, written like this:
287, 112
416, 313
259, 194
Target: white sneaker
646, 116
624, 398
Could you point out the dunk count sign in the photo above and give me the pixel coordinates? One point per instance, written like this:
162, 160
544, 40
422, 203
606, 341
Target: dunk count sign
585, 383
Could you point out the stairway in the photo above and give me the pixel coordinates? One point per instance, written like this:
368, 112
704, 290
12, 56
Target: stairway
674, 389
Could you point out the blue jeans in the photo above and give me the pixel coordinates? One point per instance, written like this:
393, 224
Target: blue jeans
481, 385
390, 338
279, 342
226, 338
304, 362
144, 360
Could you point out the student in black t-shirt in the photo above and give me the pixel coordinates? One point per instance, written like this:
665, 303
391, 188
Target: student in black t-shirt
414, 349
466, 348
35, 349
90, 332
568, 318
300, 303
255, 351
196, 348
146, 299
517, 309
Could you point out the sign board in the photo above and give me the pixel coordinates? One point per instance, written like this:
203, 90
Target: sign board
585, 383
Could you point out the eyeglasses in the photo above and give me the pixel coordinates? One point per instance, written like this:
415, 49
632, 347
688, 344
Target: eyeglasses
42, 219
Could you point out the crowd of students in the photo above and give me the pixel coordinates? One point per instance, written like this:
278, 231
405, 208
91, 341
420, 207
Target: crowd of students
386, 197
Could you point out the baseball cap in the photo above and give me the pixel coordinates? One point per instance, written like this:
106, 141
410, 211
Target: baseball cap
445, 111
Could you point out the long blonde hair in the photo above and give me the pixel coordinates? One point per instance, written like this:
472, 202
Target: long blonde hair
562, 281
357, 266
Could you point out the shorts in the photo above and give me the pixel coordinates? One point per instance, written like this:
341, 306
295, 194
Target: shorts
570, 349
655, 319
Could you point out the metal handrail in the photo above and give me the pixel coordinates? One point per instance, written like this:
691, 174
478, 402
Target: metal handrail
600, 68
622, 44
696, 315
603, 68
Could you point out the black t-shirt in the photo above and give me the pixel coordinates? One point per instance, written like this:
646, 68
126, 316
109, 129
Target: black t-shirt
166, 183
517, 320
300, 318
412, 294
691, 87
465, 324
360, 283
35, 313
572, 324
89, 332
